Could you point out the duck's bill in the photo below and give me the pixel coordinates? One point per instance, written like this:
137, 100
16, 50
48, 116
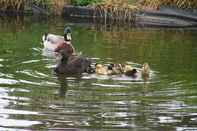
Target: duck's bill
69, 36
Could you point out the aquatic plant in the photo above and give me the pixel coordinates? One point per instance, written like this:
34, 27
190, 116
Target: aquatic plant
156, 4
116, 10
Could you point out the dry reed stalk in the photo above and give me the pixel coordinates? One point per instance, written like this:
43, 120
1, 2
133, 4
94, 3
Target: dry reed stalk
17, 5
116, 10
156, 4
57, 6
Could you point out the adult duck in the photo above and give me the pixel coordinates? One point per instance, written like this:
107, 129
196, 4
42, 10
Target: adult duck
54, 42
71, 64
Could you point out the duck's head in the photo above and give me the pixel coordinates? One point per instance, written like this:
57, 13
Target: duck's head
67, 34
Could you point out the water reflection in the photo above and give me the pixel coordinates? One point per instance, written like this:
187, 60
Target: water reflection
63, 85
8, 116
32, 97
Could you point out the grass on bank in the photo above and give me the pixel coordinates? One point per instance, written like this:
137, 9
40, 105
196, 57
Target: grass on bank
113, 8
12, 5
116, 10
156, 4
55, 6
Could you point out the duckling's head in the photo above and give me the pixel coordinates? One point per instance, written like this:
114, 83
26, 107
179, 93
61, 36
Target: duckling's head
67, 34
98, 66
146, 70
102, 69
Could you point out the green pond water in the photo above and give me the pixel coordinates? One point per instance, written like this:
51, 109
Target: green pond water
32, 97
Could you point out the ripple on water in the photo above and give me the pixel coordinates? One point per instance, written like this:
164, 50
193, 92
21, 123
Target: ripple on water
107, 85
30, 61
5, 112
167, 119
8, 81
186, 128
18, 123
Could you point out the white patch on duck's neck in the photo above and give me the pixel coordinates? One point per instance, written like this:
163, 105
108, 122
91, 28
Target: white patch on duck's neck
68, 36
68, 42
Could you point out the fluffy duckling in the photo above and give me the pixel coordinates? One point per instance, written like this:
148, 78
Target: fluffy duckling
115, 69
111, 69
145, 70
126, 68
53, 42
129, 71
101, 69
72, 64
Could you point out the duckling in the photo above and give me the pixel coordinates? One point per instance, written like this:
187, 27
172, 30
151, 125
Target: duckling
111, 69
71, 64
52, 42
101, 69
126, 68
131, 73
115, 69
145, 70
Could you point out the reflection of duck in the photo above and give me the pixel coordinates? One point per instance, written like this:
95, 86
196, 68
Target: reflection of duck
63, 85
72, 65
54, 42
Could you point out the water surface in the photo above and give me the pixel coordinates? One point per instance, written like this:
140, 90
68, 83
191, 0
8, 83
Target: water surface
32, 97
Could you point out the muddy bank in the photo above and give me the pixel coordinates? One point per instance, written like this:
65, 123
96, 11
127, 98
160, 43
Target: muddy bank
165, 17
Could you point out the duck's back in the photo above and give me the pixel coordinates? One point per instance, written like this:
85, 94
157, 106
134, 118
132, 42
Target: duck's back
54, 39
74, 65
51, 41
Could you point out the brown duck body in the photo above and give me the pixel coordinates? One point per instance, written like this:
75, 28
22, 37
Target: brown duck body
74, 65
71, 63
65, 48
